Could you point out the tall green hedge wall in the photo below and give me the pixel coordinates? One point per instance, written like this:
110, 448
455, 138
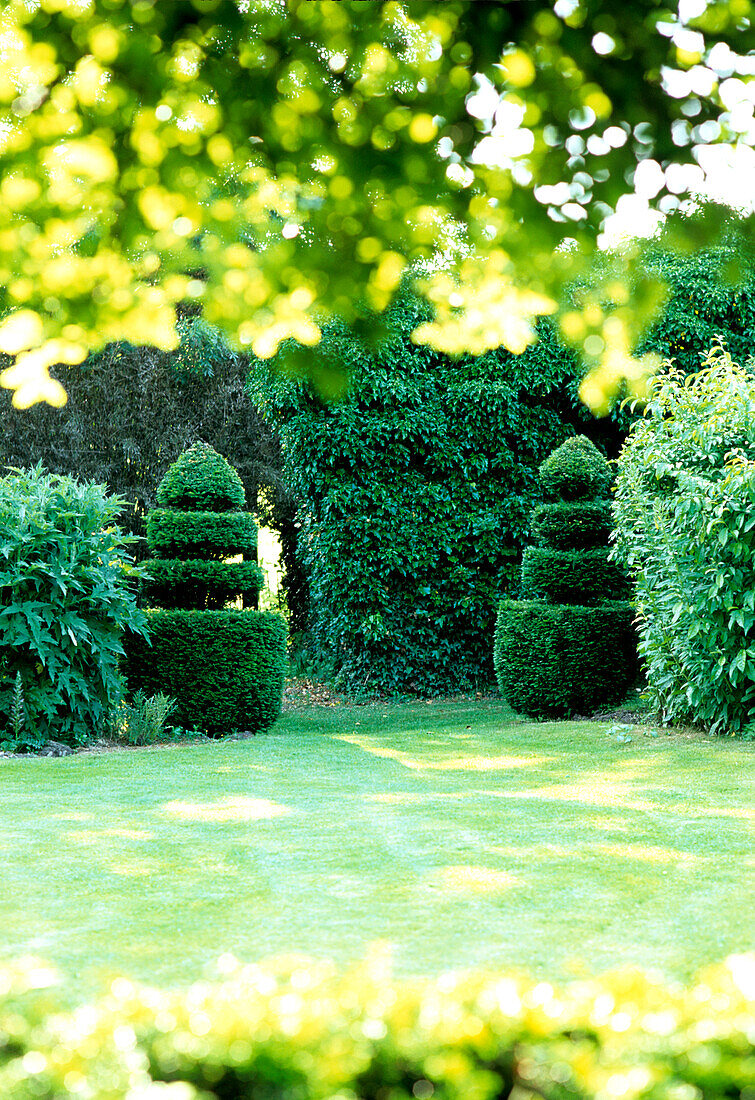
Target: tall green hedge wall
413, 497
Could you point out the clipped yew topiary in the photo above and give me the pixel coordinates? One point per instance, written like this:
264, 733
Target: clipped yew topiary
569, 646
225, 665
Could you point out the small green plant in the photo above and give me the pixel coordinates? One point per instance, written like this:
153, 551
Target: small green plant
143, 721
18, 710
20, 736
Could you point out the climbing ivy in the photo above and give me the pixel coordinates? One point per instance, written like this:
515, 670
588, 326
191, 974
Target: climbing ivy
413, 493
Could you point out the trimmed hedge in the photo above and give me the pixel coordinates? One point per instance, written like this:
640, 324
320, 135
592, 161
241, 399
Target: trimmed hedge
300, 1030
225, 668
571, 576
176, 583
570, 646
201, 480
175, 534
576, 471
572, 526
556, 660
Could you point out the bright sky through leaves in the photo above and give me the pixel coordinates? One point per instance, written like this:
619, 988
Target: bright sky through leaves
282, 162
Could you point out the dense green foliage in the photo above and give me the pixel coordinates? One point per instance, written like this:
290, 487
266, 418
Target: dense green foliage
556, 660
305, 1030
209, 534
201, 480
225, 668
573, 525
65, 599
575, 471
711, 296
174, 582
413, 493
132, 410
684, 513
571, 576
570, 646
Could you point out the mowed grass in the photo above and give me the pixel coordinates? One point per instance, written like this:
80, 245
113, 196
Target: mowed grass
454, 832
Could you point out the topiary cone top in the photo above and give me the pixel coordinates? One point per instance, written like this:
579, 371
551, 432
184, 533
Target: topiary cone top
576, 471
201, 480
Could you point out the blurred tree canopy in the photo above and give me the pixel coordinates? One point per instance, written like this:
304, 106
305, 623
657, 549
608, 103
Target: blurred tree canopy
280, 163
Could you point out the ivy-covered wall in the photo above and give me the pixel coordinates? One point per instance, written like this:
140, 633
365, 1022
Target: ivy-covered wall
413, 493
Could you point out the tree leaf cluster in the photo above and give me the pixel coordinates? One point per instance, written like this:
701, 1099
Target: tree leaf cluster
286, 163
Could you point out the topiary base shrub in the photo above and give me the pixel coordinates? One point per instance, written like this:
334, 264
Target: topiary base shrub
570, 646
553, 661
225, 668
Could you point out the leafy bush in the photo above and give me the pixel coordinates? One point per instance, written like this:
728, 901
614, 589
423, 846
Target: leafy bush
570, 647
65, 598
571, 576
686, 534
413, 493
301, 1030
176, 583
224, 667
206, 534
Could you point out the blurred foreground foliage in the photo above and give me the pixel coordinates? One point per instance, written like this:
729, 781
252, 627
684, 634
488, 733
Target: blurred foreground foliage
300, 1029
282, 162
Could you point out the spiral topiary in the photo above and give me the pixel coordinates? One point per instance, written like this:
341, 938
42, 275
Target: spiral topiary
569, 646
224, 665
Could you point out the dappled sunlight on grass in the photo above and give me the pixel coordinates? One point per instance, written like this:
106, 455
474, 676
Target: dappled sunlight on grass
230, 808
137, 868
450, 763
643, 853
89, 836
613, 795
460, 837
472, 880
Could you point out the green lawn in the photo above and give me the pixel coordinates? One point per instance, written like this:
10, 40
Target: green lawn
453, 831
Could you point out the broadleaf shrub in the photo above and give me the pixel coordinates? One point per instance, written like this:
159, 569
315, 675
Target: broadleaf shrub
67, 591
305, 1031
569, 646
684, 512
